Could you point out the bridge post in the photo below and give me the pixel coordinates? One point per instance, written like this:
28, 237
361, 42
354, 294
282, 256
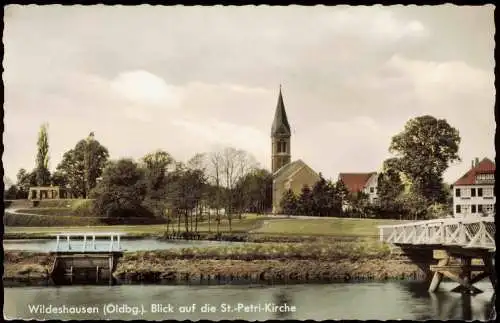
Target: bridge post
111, 244
444, 259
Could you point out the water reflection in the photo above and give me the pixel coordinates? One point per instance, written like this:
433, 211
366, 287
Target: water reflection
450, 305
380, 301
283, 299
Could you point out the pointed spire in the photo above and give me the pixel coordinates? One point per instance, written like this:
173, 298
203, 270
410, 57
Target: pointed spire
280, 123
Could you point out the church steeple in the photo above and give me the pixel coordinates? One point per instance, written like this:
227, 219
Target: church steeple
280, 136
280, 123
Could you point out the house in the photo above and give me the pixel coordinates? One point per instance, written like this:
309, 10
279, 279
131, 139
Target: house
474, 192
361, 182
287, 175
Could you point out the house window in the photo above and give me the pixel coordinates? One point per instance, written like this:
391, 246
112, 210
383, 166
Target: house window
457, 192
465, 209
479, 208
372, 189
488, 192
283, 147
480, 192
473, 208
473, 192
457, 209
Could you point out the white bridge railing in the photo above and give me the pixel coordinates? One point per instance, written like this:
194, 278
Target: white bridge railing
86, 242
474, 232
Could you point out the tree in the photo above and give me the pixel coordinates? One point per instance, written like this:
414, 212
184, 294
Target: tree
390, 185
42, 157
424, 150
82, 165
254, 191
323, 195
24, 181
289, 203
306, 202
156, 165
95, 158
121, 191
341, 194
11, 193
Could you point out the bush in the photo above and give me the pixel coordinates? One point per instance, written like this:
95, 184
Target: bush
82, 208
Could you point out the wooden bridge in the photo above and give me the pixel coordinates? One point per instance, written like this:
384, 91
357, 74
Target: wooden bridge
462, 246
85, 256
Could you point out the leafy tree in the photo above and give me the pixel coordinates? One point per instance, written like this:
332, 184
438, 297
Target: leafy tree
121, 191
323, 197
254, 191
424, 150
24, 181
58, 179
359, 202
156, 166
11, 193
82, 165
306, 202
289, 203
95, 158
42, 157
389, 186
341, 194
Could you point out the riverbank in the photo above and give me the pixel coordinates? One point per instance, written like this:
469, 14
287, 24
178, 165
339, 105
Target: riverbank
250, 262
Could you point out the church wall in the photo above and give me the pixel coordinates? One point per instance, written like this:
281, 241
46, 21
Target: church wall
295, 182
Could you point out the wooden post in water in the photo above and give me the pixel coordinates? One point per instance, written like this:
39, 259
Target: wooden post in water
57, 243
444, 259
118, 241
93, 242
84, 242
69, 243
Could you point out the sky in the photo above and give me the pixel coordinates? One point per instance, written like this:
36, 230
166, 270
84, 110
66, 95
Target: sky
195, 79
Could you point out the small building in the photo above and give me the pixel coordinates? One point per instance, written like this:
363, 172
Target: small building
474, 192
47, 193
361, 182
287, 175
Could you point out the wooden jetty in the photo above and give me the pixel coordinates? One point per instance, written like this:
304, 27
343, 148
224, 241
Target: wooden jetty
464, 249
86, 257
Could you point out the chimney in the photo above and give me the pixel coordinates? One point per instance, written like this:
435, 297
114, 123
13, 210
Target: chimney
477, 162
472, 164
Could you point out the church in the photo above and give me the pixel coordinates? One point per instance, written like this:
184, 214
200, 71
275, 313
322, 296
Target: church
286, 174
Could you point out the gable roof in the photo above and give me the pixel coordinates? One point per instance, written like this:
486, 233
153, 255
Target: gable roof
355, 182
289, 168
486, 166
280, 122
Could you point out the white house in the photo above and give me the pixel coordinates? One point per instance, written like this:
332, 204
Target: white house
474, 192
361, 182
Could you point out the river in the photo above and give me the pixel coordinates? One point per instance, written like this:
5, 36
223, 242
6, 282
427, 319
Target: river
362, 301
47, 245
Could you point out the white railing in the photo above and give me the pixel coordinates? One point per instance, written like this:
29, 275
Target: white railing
64, 242
473, 232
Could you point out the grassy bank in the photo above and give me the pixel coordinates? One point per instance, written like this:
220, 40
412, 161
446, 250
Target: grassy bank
254, 225
38, 223
301, 262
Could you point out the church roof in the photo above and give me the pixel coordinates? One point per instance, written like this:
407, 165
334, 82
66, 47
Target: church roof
486, 166
289, 168
355, 182
280, 123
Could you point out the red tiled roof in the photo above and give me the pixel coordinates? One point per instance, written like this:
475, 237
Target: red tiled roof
486, 166
355, 182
